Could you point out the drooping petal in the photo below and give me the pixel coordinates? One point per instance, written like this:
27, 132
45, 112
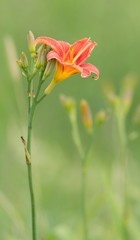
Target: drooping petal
87, 69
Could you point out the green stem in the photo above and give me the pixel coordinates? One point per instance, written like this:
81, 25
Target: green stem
32, 103
29, 168
84, 212
39, 100
123, 142
78, 144
33, 212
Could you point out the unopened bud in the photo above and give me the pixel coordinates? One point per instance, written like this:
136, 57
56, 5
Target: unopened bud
127, 100
86, 116
49, 68
43, 58
67, 102
19, 62
31, 42
101, 117
39, 58
129, 83
128, 86
110, 94
23, 62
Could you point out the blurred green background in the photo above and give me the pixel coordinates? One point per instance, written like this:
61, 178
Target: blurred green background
114, 25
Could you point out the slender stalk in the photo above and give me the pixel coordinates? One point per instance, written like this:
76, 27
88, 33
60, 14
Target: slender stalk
39, 100
32, 103
84, 212
78, 144
33, 212
29, 166
123, 152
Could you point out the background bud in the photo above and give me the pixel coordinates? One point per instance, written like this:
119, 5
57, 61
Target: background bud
86, 116
67, 102
127, 91
102, 116
110, 94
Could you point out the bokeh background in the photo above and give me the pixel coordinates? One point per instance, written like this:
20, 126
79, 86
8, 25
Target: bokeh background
114, 25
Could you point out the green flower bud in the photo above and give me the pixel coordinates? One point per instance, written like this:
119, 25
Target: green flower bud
127, 91
102, 116
23, 61
68, 102
20, 64
39, 57
31, 44
23, 64
43, 57
110, 94
49, 68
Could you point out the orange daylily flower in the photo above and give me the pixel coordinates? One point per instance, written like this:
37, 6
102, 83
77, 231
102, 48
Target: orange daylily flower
70, 58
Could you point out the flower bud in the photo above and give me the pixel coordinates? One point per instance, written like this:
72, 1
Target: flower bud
86, 116
43, 57
127, 92
49, 68
23, 61
101, 117
67, 102
39, 58
31, 44
110, 94
19, 62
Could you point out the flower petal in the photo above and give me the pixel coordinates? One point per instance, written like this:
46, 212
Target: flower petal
65, 46
87, 69
54, 55
54, 44
66, 49
86, 53
64, 71
82, 49
79, 45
